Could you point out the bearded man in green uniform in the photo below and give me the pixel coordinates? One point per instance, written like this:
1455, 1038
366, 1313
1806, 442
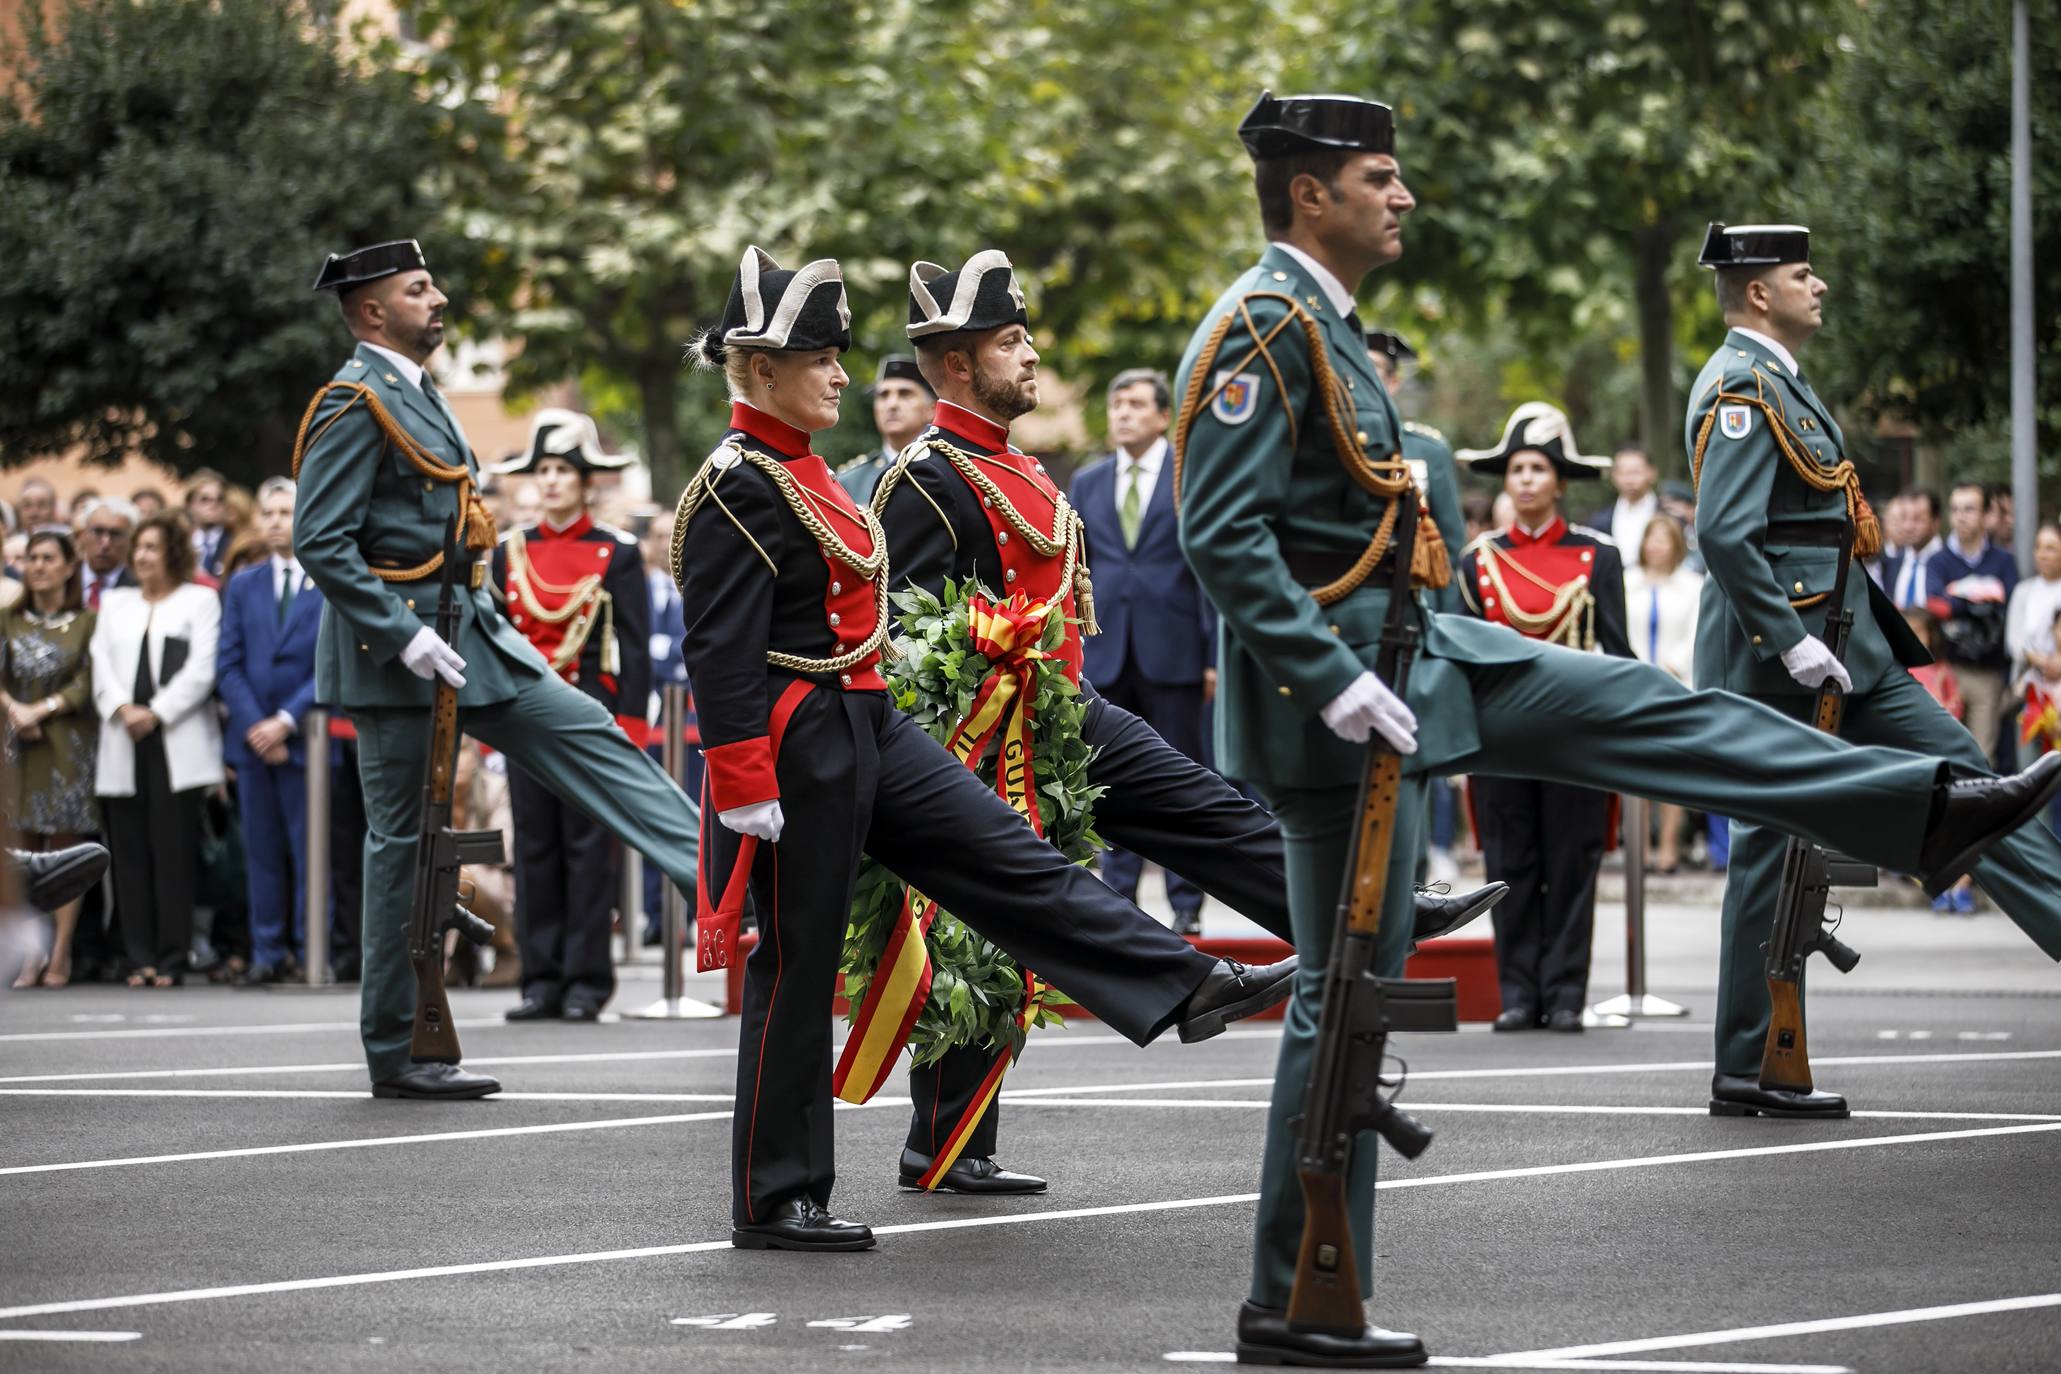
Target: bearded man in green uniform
383, 466
1776, 500
1286, 449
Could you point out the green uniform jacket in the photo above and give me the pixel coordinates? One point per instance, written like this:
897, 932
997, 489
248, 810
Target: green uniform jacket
361, 504
1250, 494
1747, 494
1431, 458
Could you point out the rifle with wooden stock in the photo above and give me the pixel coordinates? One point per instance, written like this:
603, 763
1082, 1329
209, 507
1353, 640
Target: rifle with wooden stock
440, 851
1345, 1092
1808, 876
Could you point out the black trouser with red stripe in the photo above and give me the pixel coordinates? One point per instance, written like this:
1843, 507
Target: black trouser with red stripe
1161, 805
1546, 840
855, 774
565, 890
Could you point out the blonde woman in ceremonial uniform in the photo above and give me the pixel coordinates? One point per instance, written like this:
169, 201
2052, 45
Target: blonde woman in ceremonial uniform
784, 578
574, 588
1563, 584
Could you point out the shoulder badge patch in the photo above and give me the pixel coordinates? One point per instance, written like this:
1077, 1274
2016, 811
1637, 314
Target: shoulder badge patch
725, 458
1237, 397
1735, 422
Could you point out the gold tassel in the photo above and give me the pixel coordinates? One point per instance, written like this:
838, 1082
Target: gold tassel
1430, 564
611, 655
1867, 529
1084, 602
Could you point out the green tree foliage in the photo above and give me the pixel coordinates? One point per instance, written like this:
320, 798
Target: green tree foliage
1911, 221
170, 176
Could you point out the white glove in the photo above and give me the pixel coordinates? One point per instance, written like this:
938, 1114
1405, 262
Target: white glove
1810, 663
761, 820
1367, 706
428, 657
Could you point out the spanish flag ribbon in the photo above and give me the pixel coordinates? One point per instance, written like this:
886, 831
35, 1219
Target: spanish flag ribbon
2041, 719
1006, 634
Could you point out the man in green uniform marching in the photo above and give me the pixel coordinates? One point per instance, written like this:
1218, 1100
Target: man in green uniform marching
383, 466
1287, 457
1430, 458
1776, 497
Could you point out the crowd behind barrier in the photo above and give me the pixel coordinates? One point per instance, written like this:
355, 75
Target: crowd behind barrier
156, 673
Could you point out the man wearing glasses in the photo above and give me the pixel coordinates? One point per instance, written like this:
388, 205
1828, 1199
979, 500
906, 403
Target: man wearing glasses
104, 546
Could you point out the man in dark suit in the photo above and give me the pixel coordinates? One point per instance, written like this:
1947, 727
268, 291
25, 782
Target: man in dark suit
265, 671
1153, 656
104, 549
207, 506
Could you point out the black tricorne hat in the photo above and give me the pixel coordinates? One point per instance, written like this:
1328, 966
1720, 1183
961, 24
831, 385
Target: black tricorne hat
1390, 345
980, 296
342, 271
1536, 425
1754, 245
900, 367
1277, 127
568, 435
785, 312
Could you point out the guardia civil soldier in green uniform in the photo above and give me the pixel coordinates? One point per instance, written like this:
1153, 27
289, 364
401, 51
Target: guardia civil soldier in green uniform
1430, 458
1776, 497
1286, 459
382, 466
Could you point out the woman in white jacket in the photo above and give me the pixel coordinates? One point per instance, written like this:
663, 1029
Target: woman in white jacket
160, 743
1661, 597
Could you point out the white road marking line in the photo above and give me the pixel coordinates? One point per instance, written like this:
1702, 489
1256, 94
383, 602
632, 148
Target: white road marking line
358, 1065
1803, 1328
1509, 1108
1703, 1065
355, 1094
179, 1032
1498, 1362
967, 1223
70, 1335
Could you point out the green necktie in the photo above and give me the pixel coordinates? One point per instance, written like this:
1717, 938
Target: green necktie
1129, 514
285, 595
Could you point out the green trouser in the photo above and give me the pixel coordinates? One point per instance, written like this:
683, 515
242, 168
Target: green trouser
1316, 832
2022, 873
561, 737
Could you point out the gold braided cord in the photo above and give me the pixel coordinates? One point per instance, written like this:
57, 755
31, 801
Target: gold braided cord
474, 519
1570, 620
1387, 478
584, 601
872, 567
1842, 477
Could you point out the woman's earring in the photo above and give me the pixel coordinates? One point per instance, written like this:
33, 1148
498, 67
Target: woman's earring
769, 386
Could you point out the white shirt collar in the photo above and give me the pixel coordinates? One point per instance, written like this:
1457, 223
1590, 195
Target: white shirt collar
1787, 358
1645, 505
410, 369
1148, 462
284, 565
1535, 533
1333, 289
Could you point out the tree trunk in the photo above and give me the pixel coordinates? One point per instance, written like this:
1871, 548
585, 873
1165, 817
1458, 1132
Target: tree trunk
657, 391
1660, 415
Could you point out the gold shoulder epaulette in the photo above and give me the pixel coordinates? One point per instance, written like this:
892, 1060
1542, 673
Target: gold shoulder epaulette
1428, 431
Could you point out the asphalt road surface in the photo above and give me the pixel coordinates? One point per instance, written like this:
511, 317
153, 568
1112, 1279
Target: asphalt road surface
196, 1180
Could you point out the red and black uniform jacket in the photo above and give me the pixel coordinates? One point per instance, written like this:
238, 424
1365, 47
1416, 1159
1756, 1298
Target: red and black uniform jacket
551, 565
1558, 556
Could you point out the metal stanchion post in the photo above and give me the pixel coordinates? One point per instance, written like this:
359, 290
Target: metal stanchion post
630, 904
1636, 1001
674, 1005
315, 734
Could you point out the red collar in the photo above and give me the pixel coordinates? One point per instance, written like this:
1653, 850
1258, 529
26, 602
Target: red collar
1551, 534
580, 525
964, 423
783, 438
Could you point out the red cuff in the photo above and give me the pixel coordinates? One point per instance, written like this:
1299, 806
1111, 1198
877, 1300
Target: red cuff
636, 727
741, 773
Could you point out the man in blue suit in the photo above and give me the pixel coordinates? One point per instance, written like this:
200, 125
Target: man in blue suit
1153, 655
265, 670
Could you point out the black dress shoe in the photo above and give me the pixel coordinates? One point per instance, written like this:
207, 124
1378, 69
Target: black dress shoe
1566, 1022
258, 975
534, 1009
1517, 1019
1740, 1094
1441, 913
1264, 1337
56, 876
1187, 923
968, 1176
800, 1224
581, 1011
1977, 812
1231, 992
436, 1081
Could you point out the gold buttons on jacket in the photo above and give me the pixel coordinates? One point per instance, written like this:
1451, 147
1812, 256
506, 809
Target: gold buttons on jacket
428, 485
1009, 576
411, 603
1335, 630
1799, 589
1756, 639
1285, 692
1362, 436
1280, 276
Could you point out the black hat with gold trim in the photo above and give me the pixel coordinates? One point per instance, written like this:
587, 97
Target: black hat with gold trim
1541, 427
1754, 245
980, 296
1280, 126
567, 435
342, 271
783, 311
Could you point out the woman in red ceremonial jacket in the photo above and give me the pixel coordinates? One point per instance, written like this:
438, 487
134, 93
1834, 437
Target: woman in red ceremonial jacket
575, 589
784, 584
1564, 584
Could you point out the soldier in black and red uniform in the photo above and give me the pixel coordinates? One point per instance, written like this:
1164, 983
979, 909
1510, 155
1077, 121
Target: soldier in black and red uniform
1564, 584
783, 578
575, 589
964, 503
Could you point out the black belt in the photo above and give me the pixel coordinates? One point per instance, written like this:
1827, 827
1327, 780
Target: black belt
1311, 569
1812, 536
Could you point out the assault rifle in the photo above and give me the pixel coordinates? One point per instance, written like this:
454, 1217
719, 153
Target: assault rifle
1808, 876
440, 851
1344, 1096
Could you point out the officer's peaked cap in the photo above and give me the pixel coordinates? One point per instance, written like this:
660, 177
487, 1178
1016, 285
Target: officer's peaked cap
342, 271
566, 434
1535, 425
1279, 126
1754, 245
900, 367
786, 312
980, 296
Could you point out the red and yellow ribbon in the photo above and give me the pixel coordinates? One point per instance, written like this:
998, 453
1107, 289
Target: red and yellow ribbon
2040, 721
1007, 635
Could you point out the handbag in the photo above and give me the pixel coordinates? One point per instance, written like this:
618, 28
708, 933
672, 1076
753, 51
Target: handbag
221, 877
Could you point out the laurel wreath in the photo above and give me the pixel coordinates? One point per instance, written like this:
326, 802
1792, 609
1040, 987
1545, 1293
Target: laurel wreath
976, 990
